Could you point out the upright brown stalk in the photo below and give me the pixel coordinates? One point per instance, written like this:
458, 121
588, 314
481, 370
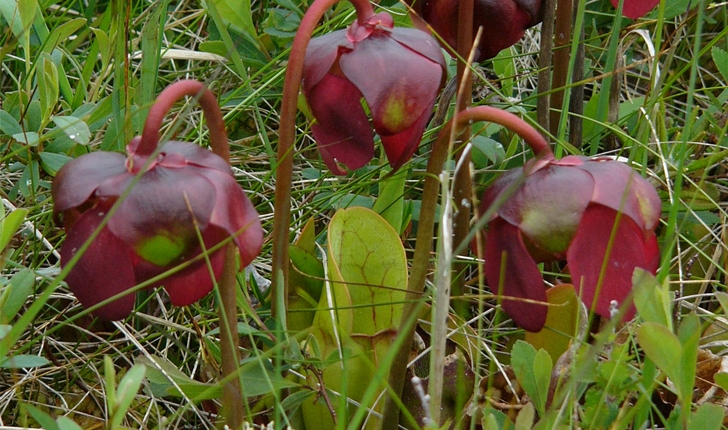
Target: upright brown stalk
564, 12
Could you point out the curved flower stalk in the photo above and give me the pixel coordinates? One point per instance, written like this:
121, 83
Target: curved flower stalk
163, 198
504, 22
367, 61
596, 213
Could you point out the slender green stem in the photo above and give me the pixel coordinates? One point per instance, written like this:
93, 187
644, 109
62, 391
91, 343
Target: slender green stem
286, 138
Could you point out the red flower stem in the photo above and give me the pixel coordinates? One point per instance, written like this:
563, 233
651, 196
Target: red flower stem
286, 138
421, 257
232, 395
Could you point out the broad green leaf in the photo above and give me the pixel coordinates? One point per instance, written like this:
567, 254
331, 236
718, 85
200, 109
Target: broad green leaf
65, 423
104, 46
52, 162
29, 138
237, 15
74, 128
390, 202
47, 86
689, 337
126, 392
8, 124
15, 294
561, 322
22, 361
62, 33
652, 299
487, 151
524, 420
45, 420
720, 58
708, 416
721, 380
533, 371
662, 347
10, 224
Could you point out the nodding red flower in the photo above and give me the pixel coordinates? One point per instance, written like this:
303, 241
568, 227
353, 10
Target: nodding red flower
397, 71
504, 22
167, 197
634, 9
597, 214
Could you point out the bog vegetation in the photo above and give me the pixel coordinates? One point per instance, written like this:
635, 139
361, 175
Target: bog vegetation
529, 234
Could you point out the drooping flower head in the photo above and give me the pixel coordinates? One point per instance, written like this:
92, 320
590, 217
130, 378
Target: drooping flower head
397, 71
167, 197
598, 214
504, 22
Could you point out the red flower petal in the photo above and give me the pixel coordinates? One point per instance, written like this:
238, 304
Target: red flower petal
588, 250
196, 155
157, 205
342, 128
521, 279
103, 271
321, 54
77, 180
549, 205
400, 147
235, 214
195, 282
419, 42
618, 186
634, 9
396, 99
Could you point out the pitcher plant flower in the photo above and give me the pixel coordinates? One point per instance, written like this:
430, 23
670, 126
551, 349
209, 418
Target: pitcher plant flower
598, 214
164, 197
504, 22
397, 71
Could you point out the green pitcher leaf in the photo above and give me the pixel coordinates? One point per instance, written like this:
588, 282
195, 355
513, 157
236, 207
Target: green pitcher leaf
366, 254
561, 321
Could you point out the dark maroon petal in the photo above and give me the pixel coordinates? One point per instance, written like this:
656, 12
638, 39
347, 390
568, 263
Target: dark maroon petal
634, 9
534, 10
342, 128
398, 84
235, 214
321, 54
618, 186
521, 280
504, 24
157, 206
548, 206
588, 250
194, 155
190, 285
103, 271
419, 42
507, 182
77, 180
400, 147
